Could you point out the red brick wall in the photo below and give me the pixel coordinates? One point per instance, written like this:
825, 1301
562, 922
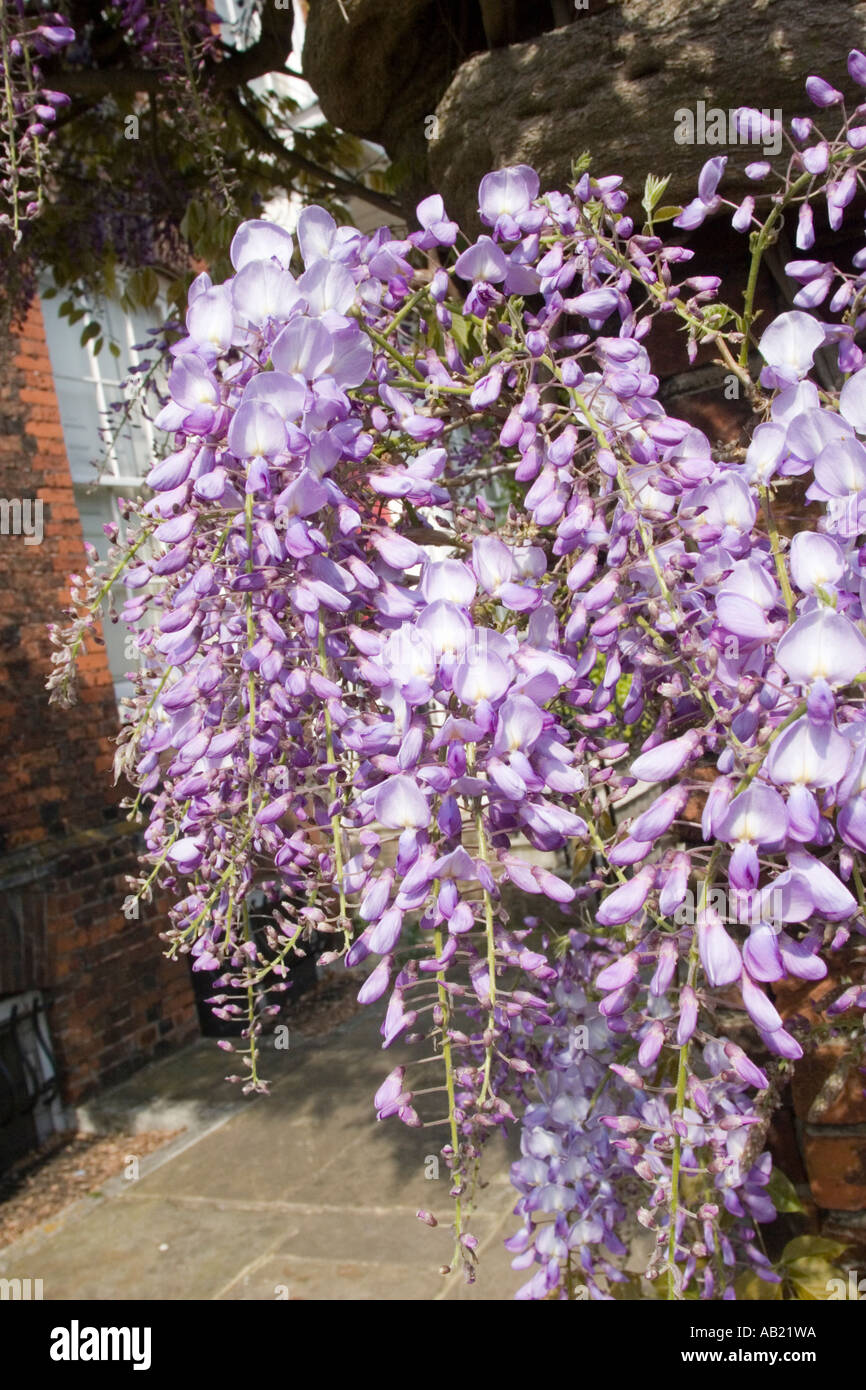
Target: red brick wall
62, 762
114, 1002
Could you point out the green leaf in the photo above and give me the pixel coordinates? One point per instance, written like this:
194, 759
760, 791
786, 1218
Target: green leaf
143, 287
808, 1247
461, 331
652, 192
193, 220
92, 331
715, 316
434, 336
666, 214
114, 349
783, 1192
750, 1286
810, 1278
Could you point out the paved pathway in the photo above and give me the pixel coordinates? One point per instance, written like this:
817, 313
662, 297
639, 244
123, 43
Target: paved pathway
299, 1195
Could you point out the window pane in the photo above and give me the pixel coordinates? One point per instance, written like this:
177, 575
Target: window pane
79, 416
95, 508
130, 438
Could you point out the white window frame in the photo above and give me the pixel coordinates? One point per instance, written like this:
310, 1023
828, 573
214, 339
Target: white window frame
97, 495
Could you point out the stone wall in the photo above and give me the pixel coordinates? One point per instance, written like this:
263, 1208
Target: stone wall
609, 82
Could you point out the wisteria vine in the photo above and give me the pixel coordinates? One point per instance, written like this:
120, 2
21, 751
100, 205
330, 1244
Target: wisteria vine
29, 108
397, 708
178, 37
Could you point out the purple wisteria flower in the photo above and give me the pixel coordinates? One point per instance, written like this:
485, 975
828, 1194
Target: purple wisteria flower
429, 588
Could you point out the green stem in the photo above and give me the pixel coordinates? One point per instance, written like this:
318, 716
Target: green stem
861, 893
251, 638
445, 1005
392, 351
778, 557
491, 961
336, 827
405, 309
251, 1000
682, 1077
156, 868
115, 573
11, 122
760, 241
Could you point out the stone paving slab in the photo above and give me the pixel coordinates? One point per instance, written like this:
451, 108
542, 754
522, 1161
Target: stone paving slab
373, 1236
184, 1090
282, 1277
134, 1249
301, 1195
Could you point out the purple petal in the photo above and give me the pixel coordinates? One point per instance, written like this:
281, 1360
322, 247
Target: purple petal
665, 760
719, 955
484, 261
625, 902
823, 645
710, 176
400, 804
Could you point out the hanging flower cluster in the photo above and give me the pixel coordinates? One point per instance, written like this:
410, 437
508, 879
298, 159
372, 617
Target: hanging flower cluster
395, 708
164, 32
179, 37
27, 34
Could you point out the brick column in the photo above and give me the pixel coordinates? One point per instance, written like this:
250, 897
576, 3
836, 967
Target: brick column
829, 1105
65, 847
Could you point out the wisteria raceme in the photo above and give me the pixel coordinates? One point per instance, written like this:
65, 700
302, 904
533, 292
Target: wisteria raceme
429, 587
179, 37
160, 32
27, 33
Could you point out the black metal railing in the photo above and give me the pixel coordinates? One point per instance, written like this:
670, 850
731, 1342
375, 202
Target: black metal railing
24, 1083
